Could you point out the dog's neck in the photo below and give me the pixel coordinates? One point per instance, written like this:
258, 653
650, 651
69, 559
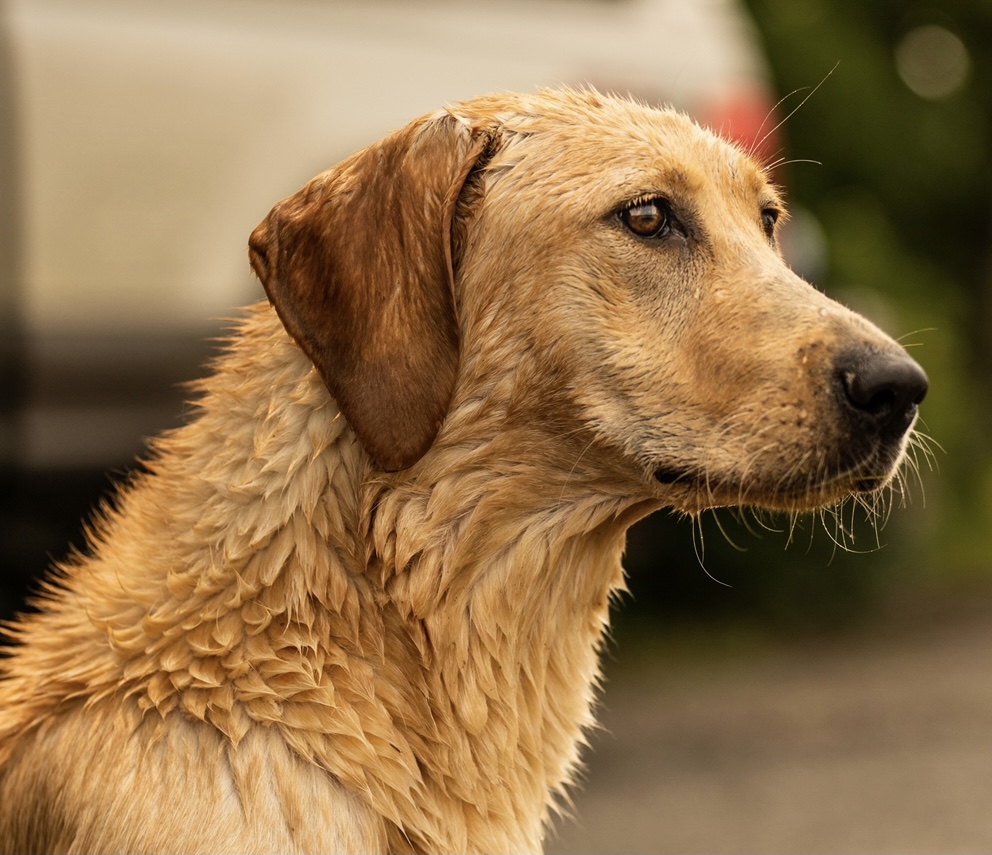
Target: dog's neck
432, 642
505, 629
508, 606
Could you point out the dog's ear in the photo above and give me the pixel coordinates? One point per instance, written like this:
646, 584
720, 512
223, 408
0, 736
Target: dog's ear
358, 266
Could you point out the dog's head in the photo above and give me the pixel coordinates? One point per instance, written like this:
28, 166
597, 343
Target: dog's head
621, 264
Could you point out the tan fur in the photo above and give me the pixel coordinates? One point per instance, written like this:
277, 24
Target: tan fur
376, 628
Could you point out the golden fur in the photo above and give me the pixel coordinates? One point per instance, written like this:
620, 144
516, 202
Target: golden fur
356, 603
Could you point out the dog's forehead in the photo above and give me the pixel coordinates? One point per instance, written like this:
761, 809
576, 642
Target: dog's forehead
588, 143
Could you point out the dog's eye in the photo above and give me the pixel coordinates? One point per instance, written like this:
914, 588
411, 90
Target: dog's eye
649, 219
769, 217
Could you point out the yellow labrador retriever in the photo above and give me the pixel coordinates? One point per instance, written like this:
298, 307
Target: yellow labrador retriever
355, 605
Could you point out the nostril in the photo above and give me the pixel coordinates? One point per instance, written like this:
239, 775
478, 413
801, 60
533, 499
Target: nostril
885, 388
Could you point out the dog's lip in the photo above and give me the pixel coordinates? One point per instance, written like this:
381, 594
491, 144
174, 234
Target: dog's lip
865, 476
862, 483
874, 470
668, 476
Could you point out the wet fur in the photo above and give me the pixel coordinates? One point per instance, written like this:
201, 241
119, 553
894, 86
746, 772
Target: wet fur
356, 603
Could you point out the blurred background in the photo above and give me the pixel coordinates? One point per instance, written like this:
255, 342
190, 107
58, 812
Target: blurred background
769, 688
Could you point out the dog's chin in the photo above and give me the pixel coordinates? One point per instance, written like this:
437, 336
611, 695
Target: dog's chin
693, 490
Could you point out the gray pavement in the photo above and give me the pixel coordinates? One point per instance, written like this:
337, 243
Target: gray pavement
878, 741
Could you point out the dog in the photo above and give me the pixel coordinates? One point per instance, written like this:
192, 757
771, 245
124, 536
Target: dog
356, 603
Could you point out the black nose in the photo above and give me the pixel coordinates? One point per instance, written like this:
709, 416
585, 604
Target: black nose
884, 388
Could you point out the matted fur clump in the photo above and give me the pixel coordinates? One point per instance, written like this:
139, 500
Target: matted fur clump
356, 603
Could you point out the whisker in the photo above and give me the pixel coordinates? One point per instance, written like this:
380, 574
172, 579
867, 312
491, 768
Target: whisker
699, 546
765, 521
902, 339
924, 445
782, 161
756, 146
832, 535
726, 536
794, 518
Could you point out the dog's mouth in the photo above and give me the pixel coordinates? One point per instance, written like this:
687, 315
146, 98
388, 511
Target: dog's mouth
668, 476
868, 474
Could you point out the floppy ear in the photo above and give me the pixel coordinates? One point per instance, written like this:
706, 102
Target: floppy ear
358, 265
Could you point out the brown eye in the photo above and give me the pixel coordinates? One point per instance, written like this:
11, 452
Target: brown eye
769, 217
648, 219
